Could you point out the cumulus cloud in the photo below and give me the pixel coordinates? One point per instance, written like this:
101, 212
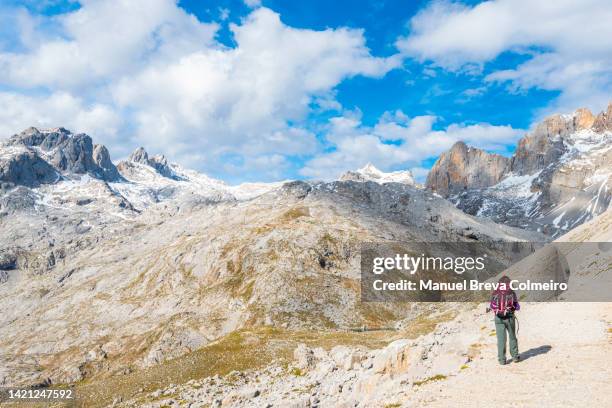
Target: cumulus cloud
398, 141
60, 108
566, 43
154, 75
248, 94
103, 40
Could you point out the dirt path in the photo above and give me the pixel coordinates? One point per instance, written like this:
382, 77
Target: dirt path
567, 362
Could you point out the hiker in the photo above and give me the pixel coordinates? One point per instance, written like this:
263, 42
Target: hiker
504, 304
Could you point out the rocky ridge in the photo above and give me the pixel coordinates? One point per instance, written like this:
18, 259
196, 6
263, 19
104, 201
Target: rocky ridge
558, 177
147, 268
370, 173
446, 367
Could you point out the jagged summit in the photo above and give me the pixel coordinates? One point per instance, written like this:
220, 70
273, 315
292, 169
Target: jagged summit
558, 177
139, 155
158, 162
43, 156
48, 167
465, 167
370, 173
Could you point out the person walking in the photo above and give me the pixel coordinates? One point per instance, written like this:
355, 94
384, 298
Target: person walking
504, 305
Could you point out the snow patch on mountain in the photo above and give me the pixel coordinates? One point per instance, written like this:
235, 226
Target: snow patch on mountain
370, 173
559, 177
150, 181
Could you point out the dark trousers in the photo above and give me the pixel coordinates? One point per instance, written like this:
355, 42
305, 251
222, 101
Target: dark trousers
501, 327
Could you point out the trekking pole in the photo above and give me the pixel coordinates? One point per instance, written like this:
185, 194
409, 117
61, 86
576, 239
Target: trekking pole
517, 324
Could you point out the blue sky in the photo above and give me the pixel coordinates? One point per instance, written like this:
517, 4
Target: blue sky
271, 90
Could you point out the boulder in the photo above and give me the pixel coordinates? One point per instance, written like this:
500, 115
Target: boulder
393, 359
347, 358
304, 356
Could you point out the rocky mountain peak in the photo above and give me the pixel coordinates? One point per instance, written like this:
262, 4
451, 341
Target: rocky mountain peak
603, 121
39, 156
543, 146
139, 155
557, 178
46, 139
369, 172
583, 119
465, 167
159, 162
369, 168
101, 157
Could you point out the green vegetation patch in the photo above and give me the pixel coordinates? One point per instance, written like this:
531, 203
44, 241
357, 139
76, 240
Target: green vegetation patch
437, 377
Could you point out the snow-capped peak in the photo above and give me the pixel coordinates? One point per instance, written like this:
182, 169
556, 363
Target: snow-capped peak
369, 172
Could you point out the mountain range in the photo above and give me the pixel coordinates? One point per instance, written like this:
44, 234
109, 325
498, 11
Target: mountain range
557, 178
113, 270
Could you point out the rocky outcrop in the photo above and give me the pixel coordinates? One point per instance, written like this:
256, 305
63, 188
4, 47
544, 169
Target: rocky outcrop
543, 146
75, 155
47, 140
101, 158
158, 162
29, 137
464, 167
603, 121
26, 168
40, 155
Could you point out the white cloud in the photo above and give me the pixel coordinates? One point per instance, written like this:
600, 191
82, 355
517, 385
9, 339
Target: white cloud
61, 108
568, 43
252, 3
419, 173
398, 141
105, 39
162, 75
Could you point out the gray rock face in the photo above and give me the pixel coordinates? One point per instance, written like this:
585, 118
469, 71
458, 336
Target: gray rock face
558, 178
29, 137
139, 155
543, 146
158, 162
46, 140
17, 199
101, 158
35, 157
8, 260
26, 168
55, 139
603, 121
464, 167
75, 155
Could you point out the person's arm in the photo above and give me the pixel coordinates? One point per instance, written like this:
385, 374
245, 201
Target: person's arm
517, 305
493, 305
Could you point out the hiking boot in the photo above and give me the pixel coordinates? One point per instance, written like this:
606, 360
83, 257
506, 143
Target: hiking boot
516, 359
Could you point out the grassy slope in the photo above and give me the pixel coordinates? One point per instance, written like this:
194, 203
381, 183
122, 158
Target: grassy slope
241, 350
